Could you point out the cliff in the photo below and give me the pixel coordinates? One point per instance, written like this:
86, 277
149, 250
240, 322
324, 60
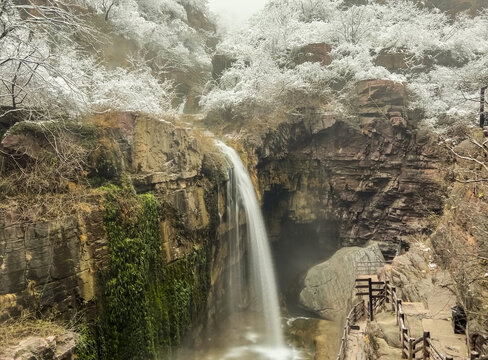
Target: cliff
125, 242
370, 176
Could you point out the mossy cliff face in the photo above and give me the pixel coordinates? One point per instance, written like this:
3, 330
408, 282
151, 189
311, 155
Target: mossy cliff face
131, 243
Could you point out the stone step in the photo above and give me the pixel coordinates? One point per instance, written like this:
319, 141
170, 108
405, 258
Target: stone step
444, 339
414, 313
414, 308
454, 345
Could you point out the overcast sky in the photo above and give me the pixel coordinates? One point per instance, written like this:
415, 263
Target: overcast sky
235, 12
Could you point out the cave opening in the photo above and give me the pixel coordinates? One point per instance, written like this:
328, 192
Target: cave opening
296, 246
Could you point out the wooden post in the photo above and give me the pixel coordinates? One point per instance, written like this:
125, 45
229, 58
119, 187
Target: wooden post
387, 285
398, 303
393, 292
426, 345
370, 295
404, 338
401, 317
482, 106
410, 349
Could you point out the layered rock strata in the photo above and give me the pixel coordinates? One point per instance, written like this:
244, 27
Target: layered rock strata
375, 175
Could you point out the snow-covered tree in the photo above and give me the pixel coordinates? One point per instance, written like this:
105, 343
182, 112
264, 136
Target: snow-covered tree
45, 69
444, 58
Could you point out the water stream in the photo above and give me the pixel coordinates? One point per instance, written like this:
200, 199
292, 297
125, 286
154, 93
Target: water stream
253, 279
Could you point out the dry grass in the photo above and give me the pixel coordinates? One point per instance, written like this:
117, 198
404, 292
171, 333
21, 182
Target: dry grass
15, 330
460, 239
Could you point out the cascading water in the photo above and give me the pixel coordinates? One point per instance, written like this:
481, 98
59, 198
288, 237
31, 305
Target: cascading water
261, 282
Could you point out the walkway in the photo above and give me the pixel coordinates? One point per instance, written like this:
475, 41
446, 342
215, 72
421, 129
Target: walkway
410, 329
355, 342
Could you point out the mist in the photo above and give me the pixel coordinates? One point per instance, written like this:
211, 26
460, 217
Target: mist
234, 14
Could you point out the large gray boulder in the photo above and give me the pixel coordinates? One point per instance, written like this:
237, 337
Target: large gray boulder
328, 287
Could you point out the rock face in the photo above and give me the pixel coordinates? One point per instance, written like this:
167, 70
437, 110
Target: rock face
454, 7
220, 63
392, 61
50, 263
419, 279
374, 176
328, 287
57, 261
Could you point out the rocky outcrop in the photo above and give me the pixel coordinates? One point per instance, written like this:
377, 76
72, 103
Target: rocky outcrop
220, 63
374, 175
393, 61
47, 264
314, 53
38, 348
454, 7
328, 287
60, 256
419, 279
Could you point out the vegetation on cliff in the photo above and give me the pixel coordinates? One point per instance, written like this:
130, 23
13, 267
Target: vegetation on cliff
460, 238
147, 305
144, 298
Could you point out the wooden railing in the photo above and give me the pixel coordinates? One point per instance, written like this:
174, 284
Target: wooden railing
380, 293
414, 348
356, 313
376, 292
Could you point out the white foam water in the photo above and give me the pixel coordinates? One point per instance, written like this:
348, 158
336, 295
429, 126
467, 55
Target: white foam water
260, 278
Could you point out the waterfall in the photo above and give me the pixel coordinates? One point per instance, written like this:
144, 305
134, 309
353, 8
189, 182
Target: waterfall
261, 278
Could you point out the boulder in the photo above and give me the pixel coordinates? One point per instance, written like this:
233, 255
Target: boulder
42, 348
391, 60
328, 287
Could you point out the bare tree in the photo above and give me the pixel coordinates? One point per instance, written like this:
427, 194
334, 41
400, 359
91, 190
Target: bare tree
30, 33
107, 6
354, 23
482, 106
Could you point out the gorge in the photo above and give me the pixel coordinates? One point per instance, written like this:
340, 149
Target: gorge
128, 231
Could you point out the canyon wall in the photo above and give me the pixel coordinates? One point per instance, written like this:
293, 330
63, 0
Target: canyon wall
130, 248
371, 176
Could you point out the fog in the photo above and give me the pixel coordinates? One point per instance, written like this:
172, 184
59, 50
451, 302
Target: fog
235, 13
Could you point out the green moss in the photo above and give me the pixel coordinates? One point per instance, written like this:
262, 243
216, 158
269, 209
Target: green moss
86, 347
148, 305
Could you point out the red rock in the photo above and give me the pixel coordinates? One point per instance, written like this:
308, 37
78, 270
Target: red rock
314, 53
